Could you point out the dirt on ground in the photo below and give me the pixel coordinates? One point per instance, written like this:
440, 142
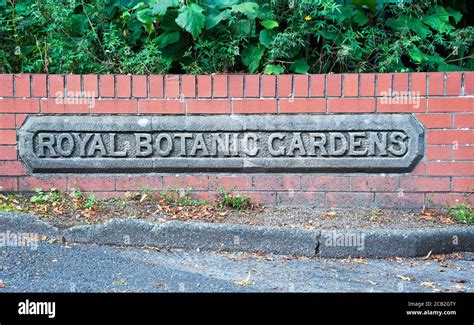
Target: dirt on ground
65, 210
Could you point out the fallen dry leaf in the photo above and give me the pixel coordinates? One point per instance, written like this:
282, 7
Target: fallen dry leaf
427, 255
2, 285
330, 214
405, 278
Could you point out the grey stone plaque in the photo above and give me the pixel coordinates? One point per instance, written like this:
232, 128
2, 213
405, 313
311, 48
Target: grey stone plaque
222, 143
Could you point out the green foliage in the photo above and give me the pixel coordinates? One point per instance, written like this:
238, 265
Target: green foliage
54, 196
462, 213
230, 200
181, 198
218, 36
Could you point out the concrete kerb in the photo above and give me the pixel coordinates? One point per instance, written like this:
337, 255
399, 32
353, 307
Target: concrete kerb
244, 238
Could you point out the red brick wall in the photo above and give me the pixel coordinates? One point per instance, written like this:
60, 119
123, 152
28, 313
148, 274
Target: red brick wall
446, 108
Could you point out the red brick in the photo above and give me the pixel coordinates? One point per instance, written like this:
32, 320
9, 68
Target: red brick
219, 106
384, 105
230, 183
8, 153
6, 85
44, 183
121, 106
236, 86
450, 137
420, 169
418, 84
91, 85
355, 105
7, 137
374, 184
139, 86
297, 198
325, 183
12, 168
204, 196
39, 85
196, 182
350, 200
469, 83
451, 104
453, 83
9, 105
384, 84
367, 84
300, 85
20, 119
277, 183
107, 86
92, 183
73, 84
302, 105
455, 168
266, 198
156, 86
436, 83
435, 121
444, 199
268, 86
7, 121
124, 86
219, 83
22, 85
252, 85
317, 85
334, 85
188, 86
161, 106
425, 184
463, 185
400, 82
152, 183
464, 120
351, 85
463, 152
247, 106
204, 86
51, 106
285, 84
56, 85
438, 152
8, 184
399, 200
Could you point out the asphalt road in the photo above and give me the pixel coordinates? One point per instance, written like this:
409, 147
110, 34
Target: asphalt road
57, 267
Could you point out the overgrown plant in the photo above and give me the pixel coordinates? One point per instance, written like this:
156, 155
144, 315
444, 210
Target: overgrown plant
462, 213
219, 36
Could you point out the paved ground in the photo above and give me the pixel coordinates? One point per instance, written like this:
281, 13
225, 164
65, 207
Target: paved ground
56, 267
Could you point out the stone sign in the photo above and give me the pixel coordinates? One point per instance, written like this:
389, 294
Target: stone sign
257, 143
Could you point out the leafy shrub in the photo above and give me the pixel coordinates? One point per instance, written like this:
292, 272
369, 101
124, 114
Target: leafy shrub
462, 213
219, 36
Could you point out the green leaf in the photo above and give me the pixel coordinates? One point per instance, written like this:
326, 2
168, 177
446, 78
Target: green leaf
300, 66
416, 55
249, 9
455, 14
167, 38
191, 19
160, 7
145, 16
213, 20
269, 24
273, 69
220, 4
438, 19
360, 18
266, 37
418, 27
251, 56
